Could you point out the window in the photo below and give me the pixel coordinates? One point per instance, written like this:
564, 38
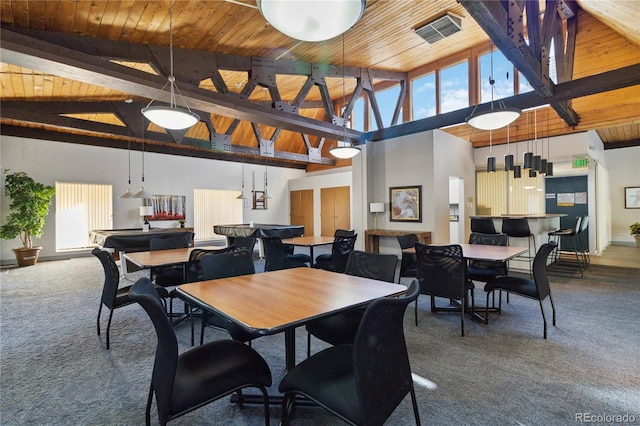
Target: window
357, 115
81, 208
502, 75
214, 207
423, 96
387, 100
454, 87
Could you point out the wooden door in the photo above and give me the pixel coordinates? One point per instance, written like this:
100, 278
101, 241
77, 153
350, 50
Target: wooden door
301, 204
335, 209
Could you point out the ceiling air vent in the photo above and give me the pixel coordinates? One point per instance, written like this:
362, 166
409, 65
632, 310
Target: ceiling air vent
440, 28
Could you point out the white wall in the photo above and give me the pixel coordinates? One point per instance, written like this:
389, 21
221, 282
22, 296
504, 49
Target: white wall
623, 166
48, 162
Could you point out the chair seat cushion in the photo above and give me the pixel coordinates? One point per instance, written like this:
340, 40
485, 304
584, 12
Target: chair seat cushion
207, 371
523, 286
327, 376
236, 331
481, 274
299, 257
122, 295
325, 257
170, 277
337, 329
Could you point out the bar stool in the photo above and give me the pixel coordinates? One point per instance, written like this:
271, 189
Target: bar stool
573, 235
519, 228
483, 225
584, 244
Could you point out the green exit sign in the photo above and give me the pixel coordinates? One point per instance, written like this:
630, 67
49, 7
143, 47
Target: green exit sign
580, 162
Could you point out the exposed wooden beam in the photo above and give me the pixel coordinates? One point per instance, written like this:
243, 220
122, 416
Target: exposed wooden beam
41, 55
504, 23
598, 83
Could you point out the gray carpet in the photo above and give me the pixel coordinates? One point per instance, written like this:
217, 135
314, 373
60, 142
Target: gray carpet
55, 370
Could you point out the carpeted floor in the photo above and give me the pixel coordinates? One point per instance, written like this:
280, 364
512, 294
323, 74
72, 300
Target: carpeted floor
54, 369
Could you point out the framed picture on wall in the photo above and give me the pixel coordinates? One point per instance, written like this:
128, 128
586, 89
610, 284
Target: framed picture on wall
632, 197
405, 203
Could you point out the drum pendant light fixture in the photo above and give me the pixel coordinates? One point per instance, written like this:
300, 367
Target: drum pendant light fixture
491, 160
508, 158
170, 117
498, 115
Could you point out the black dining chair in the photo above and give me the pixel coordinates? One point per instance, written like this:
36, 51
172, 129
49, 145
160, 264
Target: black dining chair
185, 381
114, 296
483, 225
342, 327
484, 270
225, 265
325, 258
168, 276
408, 264
276, 257
442, 273
341, 248
361, 383
537, 288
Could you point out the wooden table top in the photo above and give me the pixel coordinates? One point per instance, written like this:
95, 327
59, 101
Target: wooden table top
271, 302
309, 241
149, 259
485, 252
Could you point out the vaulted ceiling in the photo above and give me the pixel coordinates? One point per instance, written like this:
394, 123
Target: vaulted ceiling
79, 71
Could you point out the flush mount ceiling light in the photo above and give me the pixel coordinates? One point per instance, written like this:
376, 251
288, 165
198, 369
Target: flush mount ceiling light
497, 116
170, 117
312, 20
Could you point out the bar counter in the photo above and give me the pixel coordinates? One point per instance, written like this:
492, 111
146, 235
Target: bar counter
539, 224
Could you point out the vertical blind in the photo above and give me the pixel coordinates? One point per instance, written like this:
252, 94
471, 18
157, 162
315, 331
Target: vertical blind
214, 207
499, 193
81, 208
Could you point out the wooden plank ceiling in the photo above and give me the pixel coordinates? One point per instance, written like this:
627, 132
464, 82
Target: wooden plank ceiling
227, 41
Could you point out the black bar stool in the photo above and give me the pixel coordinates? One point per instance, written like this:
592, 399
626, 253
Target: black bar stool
561, 264
519, 228
483, 225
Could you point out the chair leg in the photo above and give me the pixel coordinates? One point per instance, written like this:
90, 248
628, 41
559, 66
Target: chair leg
415, 312
308, 345
414, 402
486, 307
544, 320
109, 326
288, 401
147, 415
553, 310
98, 320
202, 325
267, 419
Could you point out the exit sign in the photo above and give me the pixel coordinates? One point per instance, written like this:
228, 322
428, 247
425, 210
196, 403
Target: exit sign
580, 162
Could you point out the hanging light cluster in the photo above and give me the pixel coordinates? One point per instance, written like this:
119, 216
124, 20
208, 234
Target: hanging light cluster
535, 161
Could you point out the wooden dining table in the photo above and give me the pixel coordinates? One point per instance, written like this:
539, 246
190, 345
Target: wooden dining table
310, 241
485, 252
152, 259
279, 301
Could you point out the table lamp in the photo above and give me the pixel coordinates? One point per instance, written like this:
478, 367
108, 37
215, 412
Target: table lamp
376, 208
145, 212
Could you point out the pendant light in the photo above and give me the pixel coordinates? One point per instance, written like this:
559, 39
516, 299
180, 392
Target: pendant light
493, 118
170, 117
344, 149
537, 159
528, 156
549, 171
265, 195
491, 160
517, 169
142, 193
128, 194
242, 195
312, 20
508, 159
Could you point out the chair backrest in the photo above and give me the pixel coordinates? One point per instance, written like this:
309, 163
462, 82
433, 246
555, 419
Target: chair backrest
516, 227
166, 360
380, 359
407, 241
578, 225
540, 269
493, 240
340, 251
344, 232
483, 225
441, 270
224, 265
584, 223
274, 253
372, 265
194, 267
166, 243
247, 243
111, 276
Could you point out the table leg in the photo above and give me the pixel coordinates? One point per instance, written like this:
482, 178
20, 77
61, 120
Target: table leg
290, 348
311, 255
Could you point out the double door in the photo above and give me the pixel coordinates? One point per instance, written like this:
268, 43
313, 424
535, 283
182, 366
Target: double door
335, 210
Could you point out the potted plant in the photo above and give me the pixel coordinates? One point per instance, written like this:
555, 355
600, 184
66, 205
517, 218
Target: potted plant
28, 209
635, 231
